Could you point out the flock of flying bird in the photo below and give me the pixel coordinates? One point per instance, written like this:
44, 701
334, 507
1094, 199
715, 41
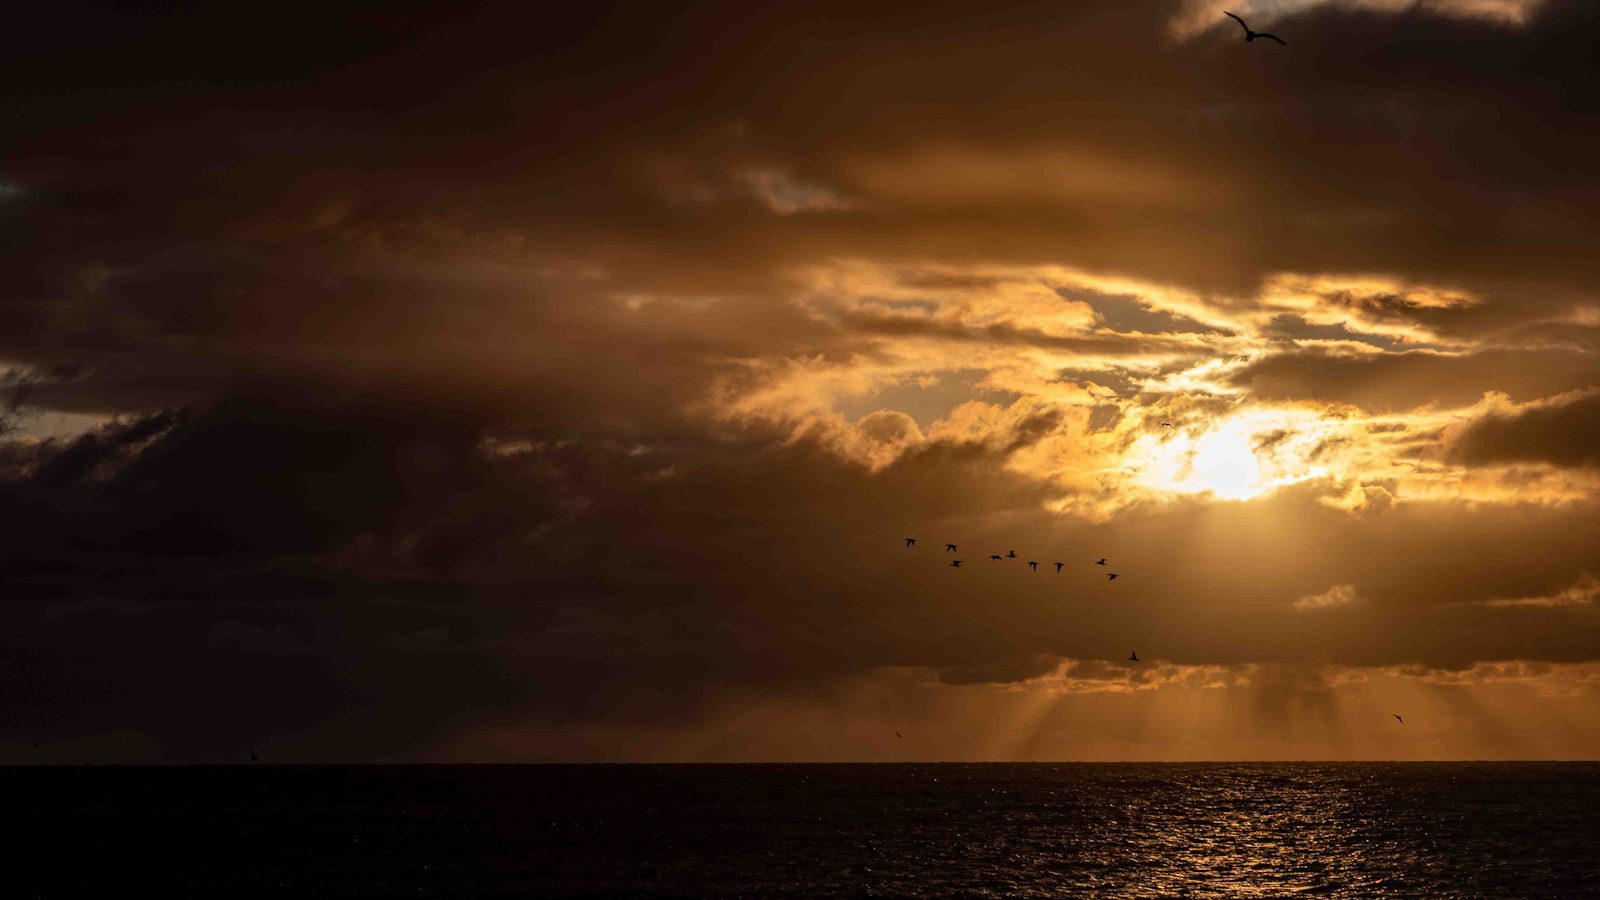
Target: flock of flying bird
1133, 656
1011, 554
911, 543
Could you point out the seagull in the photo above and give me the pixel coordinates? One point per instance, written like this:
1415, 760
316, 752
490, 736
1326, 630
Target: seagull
1397, 718
956, 563
1101, 562
1011, 554
949, 548
1111, 577
1252, 35
1058, 567
1033, 565
911, 542
996, 557
1133, 656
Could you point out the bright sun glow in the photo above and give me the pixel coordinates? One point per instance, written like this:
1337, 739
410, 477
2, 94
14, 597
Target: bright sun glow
1224, 462
1243, 456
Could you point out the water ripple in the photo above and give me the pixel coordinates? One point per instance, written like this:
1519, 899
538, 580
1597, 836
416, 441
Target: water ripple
1189, 830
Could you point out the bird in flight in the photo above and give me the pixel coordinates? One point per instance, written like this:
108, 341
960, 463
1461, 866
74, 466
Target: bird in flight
956, 563
253, 756
911, 542
1058, 567
1011, 554
949, 548
996, 557
1166, 424
898, 735
1133, 656
1397, 718
1033, 565
1101, 562
1252, 35
1111, 577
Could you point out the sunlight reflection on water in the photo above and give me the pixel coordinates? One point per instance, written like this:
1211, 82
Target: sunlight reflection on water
1197, 830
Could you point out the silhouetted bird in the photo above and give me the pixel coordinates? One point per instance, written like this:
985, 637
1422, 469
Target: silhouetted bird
253, 756
1397, 718
997, 557
1011, 554
1101, 562
1033, 565
1252, 35
1111, 577
911, 542
1133, 656
898, 735
1058, 567
956, 563
949, 548
1166, 424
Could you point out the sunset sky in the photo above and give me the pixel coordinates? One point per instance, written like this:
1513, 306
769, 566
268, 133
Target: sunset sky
498, 382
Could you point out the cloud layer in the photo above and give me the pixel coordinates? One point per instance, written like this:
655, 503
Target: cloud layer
479, 384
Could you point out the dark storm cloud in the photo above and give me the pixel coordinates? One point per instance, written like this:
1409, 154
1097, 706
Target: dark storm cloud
266, 547
1563, 432
164, 577
1413, 378
208, 220
1369, 142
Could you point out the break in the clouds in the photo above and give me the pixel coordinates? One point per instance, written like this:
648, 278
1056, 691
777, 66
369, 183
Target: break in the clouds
477, 383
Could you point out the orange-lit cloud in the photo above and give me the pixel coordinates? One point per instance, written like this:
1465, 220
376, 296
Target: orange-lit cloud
1200, 15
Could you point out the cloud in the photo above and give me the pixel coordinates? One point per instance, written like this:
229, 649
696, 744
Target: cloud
726, 173
1409, 379
596, 399
786, 195
1546, 680
1197, 16
1338, 595
1407, 314
1585, 591
1558, 430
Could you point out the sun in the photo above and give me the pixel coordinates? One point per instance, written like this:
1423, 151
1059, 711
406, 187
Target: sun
1223, 463
1241, 457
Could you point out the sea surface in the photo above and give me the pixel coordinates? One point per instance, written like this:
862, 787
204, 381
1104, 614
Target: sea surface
1094, 830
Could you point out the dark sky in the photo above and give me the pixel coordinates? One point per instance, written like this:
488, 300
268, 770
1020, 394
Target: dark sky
507, 382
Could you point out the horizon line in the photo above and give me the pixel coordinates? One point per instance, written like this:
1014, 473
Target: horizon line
1063, 762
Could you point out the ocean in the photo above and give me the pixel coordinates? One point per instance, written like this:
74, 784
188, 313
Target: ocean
1363, 830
